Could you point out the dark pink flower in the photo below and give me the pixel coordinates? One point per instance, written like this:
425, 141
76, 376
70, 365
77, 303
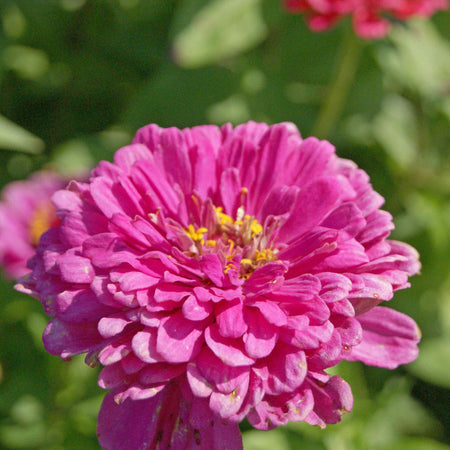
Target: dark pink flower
216, 273
369, 16
25, 213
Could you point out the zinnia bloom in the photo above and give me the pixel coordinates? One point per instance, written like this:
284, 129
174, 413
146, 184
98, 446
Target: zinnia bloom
216, 273
25, 213
369, 16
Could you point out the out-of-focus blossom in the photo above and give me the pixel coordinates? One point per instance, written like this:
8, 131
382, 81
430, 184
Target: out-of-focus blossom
216, 273
25, 213
369, 16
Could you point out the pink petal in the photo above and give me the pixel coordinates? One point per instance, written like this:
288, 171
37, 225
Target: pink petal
369, 286
101, 191
335, 286
114, 351
331, 400
266, 278
230, 351
199, 385
179, 340
287, 369
347, 218
75, 269
68, 339
279, 201
230, 190
223, 377
126, 156
113, 325
175, 158
144, 346
314, 158
261, 336
311, 206
171, 292
77, 227
112, 376
78, 306
389, 339
129, 425
213, 268
160, 373
271, 311
230, 318
226, 405
348, 254
165, 420
277, 410
194, 310
132, 280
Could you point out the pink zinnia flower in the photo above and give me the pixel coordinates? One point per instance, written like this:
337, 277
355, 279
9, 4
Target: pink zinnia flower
216, 273
368, 15
25, 213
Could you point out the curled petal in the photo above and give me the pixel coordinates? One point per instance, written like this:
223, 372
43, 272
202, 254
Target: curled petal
332, 400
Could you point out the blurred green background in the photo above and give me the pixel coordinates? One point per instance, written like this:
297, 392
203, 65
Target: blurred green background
78, 77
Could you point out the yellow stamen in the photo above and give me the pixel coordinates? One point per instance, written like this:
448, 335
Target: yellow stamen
255, 227
264, 255
223, 218
196, 235
228, 267
43, 219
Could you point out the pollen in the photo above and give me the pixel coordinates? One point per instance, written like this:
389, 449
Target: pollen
265, 255
196, 235
256, 227
43, 218
222, 218
240, 241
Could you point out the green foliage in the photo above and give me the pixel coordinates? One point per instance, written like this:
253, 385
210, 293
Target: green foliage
78, 77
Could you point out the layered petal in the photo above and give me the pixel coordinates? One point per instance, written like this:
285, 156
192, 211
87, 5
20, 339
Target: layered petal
215, 274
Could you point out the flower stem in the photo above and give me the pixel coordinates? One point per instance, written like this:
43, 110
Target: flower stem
339, 88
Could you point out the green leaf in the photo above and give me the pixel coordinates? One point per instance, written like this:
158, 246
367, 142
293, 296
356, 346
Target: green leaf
220, 29
14, 137
419, 60
395, 128
433, 364
72, 158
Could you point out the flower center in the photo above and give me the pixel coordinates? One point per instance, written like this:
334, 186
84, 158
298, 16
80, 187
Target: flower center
43, 218
239, 241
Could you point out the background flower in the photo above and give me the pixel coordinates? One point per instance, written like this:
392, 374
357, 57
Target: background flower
368, 16
217, 273
25, 213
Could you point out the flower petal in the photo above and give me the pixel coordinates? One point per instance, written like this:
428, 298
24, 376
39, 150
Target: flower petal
389, 339
179, 340
230, 351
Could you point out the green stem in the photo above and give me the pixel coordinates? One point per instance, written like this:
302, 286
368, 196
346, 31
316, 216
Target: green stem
339, 88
